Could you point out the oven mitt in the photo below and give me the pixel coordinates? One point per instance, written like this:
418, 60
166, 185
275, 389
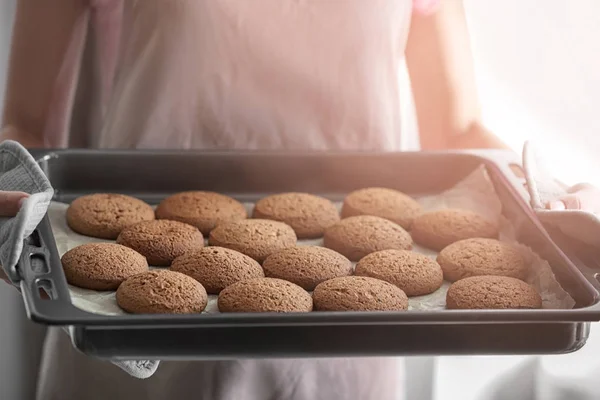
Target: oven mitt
20, 172
578, 219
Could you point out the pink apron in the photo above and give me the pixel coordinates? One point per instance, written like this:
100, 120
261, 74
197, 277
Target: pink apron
232, 74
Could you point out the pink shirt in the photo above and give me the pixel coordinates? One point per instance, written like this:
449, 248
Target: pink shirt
237, 74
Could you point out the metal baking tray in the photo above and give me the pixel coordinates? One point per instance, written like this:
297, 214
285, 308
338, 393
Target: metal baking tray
247, 176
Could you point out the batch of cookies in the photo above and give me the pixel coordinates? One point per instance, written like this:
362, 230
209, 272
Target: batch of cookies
256, 264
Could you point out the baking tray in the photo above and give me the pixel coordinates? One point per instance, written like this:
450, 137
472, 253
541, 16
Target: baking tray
247, 176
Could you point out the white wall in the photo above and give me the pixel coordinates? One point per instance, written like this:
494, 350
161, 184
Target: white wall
538, 66
538, 70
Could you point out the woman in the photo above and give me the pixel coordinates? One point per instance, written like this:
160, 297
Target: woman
238, 74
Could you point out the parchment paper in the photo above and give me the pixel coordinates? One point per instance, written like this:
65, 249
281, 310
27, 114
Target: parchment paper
475, 193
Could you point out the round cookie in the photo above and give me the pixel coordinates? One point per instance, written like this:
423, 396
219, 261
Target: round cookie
104, 215
307, 266
438, 229
381, 202
217, 267
204, 210
257, 238
358, 293
101, 266
264, 295
479, 256
412, 272
161, 241
307, 214
355, 237
161, 292
492, 292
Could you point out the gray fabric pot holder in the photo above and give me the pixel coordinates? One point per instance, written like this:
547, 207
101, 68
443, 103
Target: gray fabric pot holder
20, 172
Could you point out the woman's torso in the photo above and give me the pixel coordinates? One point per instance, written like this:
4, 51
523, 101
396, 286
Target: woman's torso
236, 74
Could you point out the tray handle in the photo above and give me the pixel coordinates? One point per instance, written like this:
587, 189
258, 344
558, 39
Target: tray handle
39, 271
511, 166
35, 272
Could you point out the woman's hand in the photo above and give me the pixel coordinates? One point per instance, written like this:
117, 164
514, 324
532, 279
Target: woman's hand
10, 203
583, 196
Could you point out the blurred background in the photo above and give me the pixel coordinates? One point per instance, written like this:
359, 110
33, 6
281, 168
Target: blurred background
538, 70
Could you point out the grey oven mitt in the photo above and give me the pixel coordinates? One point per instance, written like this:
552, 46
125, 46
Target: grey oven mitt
576, 219
20, 172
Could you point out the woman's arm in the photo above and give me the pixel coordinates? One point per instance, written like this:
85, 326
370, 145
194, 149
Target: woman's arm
41, 34
440, 65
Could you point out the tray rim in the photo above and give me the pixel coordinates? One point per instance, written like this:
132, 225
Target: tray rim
38, 311
406, 340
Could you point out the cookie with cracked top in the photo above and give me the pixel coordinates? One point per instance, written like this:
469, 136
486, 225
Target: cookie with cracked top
161, 241
105, 215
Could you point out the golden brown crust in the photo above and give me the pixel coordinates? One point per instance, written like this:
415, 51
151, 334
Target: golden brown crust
161, 241
412, 272
355, 237
264, 295
257, 238
475, 257
358, 293
307, 266
105, 215
307, 214
217, 267
161, 292
101, 266
492, 292
204, 210
438, 229
381, 202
